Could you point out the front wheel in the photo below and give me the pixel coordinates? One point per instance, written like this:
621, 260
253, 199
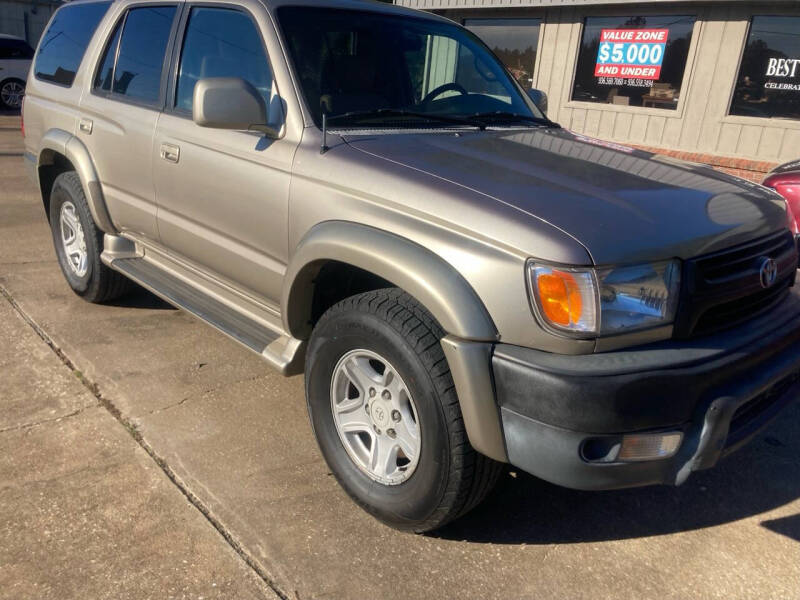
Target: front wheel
386, 416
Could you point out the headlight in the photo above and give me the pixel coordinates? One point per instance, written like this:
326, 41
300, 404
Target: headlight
587, 302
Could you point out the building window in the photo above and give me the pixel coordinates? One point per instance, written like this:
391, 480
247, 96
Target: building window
514, 41
633, 61
768, 84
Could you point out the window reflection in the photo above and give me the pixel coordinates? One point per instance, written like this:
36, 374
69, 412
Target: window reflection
514, 41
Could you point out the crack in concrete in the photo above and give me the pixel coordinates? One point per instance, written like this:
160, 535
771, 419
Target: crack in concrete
74, 413
200, 395
192, 498
156, 411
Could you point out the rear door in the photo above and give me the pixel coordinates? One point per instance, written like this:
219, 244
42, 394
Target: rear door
223, 195
118, 117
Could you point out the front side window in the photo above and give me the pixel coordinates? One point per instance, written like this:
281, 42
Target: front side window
221, 43
633, 61
514, 41
64, 43
768, 84
142, 48
380, 68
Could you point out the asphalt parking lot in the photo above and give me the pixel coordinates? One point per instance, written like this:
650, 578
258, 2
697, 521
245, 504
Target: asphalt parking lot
144, 455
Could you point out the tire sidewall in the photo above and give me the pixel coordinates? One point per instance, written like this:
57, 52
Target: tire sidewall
60, 194
420, 495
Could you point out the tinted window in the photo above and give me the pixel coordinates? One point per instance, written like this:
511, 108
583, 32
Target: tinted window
354, 61
514, 41
633, 61
141, 52
104, 75
768, 84
63, 44
221, 43
10, 48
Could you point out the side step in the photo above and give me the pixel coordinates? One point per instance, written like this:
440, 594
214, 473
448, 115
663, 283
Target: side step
280, 350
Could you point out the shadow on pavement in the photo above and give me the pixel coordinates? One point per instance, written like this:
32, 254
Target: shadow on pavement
788, 526
141, 298
760, 477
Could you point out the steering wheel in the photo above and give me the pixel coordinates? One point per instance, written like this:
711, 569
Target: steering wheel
441, 90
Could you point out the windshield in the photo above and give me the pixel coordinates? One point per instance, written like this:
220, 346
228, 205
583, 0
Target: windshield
377, 70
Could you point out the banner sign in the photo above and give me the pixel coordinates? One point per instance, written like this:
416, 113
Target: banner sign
631, 53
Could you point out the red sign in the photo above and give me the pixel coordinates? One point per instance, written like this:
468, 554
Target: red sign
631, 53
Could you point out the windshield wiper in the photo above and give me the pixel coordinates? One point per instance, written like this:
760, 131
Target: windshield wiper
396, 112
510, 117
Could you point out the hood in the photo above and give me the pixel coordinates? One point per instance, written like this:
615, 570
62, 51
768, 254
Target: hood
622, 204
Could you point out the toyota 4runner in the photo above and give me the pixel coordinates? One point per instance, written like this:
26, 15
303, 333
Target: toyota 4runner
362, 193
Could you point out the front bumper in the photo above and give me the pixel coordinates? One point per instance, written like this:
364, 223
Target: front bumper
719, 391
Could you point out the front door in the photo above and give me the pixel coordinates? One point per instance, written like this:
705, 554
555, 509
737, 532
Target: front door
223, 195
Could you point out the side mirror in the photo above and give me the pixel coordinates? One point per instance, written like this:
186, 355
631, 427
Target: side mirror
539, 99
230, 103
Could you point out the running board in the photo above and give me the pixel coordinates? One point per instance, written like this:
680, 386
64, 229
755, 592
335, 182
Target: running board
283, 352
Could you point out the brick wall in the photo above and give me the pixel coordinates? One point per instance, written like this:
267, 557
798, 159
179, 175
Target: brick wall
752, 170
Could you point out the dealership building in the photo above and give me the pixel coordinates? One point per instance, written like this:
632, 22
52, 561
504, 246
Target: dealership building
712, 82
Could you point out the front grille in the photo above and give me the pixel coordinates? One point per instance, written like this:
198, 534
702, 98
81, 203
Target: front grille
723, 289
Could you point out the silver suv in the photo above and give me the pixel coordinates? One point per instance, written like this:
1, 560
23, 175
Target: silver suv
364, 194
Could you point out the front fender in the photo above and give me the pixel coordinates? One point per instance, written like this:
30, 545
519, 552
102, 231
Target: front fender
406, 264
60, 142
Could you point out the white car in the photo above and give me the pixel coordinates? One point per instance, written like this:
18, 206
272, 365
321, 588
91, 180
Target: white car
15, 62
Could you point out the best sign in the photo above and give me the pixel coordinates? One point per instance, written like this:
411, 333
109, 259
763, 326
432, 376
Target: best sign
631, 53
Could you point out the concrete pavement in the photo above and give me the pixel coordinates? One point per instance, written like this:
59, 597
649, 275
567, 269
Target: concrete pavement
233, 437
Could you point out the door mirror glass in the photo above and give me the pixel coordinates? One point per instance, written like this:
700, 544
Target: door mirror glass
230, 103
539, 99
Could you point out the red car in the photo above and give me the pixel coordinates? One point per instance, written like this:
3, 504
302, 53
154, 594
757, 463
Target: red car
785, 179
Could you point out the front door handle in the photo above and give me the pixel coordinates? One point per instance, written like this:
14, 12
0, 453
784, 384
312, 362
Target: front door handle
170, 152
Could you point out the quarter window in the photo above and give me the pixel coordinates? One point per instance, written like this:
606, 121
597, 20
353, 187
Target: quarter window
221, 43
514, 41
768, 84
64, 43
633, 61
142, 49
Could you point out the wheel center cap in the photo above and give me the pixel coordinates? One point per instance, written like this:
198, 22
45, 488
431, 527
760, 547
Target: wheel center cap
381, 414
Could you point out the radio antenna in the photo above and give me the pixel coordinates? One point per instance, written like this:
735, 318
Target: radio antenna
324, 147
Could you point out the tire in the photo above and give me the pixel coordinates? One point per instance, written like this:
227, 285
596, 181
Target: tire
10, 97
88, 277
449, 478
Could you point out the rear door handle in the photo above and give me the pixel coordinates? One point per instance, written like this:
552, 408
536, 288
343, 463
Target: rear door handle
170, 152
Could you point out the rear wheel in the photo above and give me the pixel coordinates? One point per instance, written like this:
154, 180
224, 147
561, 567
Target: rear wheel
79, 243
386, 416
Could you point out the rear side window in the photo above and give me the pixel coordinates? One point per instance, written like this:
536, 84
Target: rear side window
221, 43
65, 41
105, 74
10, 49
142, 48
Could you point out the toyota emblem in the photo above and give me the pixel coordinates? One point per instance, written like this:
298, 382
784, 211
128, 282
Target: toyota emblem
768, 272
